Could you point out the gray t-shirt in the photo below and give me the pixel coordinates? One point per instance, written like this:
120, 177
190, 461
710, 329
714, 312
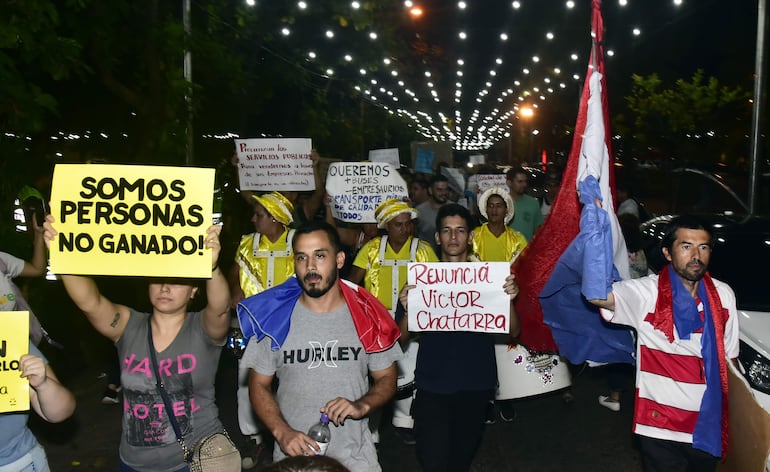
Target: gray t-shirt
188, 367
322, 359
13, 267
426, 221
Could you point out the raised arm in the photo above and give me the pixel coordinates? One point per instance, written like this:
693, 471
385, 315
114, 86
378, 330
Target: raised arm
216, 317
107, 318
48, 397
36, 266
312, 204
607, 304
382, 390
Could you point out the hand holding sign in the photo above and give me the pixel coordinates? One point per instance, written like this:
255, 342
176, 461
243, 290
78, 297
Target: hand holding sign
460, 296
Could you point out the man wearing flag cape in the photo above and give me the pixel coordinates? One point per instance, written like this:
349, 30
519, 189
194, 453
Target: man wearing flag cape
686, 322
322, 337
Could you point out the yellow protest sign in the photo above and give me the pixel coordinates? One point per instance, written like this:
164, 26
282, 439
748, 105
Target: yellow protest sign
14, 343
131, 220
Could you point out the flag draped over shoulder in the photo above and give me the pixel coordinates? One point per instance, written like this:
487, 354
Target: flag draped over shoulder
551, 271
268, 314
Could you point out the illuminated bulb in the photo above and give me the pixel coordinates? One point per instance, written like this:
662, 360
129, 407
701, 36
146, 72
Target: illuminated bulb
549, 35
348, 57
329, 71
636, 31
329, 34
503, 37
462, 5
386, 61
677, 2
251, 3
285, 31
498, 61
462, 35
516, 5
610, 52
573, 56
525, 71
535, 59
460, 62
302, 5
311, 55
372, 35
427, 73
622, 3
557, 71
355, 5
570, 4
362, 71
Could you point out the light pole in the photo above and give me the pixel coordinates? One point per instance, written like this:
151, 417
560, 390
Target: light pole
527, 114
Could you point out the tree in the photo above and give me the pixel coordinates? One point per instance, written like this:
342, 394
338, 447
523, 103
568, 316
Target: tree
696, 119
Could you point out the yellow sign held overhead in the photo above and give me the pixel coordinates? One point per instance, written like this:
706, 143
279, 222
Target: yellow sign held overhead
14, 343
131, 220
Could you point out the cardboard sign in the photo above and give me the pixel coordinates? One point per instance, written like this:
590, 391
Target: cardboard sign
388, 156
459, 296
14, 343
275, 164
486, 181
357, 188
131, 220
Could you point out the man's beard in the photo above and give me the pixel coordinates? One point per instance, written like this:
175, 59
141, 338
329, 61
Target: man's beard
692, 274
319, 291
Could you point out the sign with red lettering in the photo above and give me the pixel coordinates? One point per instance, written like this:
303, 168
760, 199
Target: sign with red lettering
459, 296
275, 164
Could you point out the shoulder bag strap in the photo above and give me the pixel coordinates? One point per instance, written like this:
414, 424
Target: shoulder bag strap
166, 400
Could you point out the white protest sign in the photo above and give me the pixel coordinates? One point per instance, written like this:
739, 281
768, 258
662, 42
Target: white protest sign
486, 181
357, 188
459, 296
389, 156
275, 164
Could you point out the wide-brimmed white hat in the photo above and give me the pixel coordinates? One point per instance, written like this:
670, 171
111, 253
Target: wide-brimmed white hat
501, 192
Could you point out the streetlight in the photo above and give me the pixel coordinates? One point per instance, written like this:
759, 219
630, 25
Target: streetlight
527, 113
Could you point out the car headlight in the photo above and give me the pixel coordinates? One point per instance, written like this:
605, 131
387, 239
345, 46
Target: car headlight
756, 367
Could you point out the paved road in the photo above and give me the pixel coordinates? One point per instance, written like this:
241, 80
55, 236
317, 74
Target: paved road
548, 434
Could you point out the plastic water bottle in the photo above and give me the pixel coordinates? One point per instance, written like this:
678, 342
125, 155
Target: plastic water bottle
321, 433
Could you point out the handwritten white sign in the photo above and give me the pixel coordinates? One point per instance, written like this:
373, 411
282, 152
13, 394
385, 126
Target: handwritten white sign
389, 156
357, 188
275, 164
459, 296
485, 181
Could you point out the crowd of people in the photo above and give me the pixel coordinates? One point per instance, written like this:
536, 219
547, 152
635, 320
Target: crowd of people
323, 308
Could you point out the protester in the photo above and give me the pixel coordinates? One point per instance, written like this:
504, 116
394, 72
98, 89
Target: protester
456, 372
19, 449
148, 442
493, 241
418, 191
687, 329
549, 194
322, 338
353, 236
381, 265
263, 260
427, 210
11, 298
528, 217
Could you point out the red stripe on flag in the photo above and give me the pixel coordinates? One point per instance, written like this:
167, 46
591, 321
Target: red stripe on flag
687, 369
651, 413
535, 265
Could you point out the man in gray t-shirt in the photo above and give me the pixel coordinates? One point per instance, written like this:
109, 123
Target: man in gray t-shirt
322, 364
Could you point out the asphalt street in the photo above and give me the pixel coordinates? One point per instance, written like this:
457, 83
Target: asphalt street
547, 435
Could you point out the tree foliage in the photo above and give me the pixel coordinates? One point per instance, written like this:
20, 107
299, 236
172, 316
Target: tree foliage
693, 119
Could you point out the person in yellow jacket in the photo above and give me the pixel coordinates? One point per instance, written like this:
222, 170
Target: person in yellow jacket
381, 265
494, 241
264, 259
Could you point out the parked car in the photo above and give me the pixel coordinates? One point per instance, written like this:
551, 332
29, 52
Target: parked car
741, 255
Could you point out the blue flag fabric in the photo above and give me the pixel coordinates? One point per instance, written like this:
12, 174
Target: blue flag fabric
585, 271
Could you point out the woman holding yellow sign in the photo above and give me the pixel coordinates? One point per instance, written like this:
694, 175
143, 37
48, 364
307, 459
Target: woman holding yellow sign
168, 359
